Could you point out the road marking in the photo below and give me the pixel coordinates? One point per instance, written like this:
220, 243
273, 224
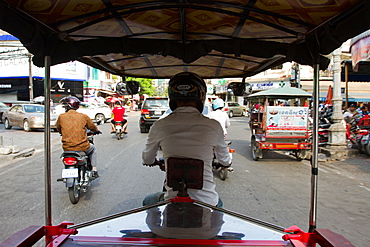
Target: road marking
14, 167
237, 120
362, 186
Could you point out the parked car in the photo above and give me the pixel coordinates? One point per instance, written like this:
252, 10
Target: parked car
152, 109
99, 113
234, 109
3, 108
27, 116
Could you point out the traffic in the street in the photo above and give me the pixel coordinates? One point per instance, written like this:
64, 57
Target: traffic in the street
275, 189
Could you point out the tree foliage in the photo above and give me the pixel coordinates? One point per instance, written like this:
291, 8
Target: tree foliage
146, 86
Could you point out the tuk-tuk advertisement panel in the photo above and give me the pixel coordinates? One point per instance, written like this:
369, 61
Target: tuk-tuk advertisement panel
285, 118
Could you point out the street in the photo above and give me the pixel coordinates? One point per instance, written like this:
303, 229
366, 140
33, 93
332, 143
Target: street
275, 189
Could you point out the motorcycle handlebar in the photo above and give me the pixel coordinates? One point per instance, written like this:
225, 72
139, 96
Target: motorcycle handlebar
89, 132
159, 163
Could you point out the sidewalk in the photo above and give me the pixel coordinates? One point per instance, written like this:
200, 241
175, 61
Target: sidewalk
27, 143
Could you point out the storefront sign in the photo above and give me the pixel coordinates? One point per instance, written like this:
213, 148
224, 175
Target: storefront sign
269, 85
5, 85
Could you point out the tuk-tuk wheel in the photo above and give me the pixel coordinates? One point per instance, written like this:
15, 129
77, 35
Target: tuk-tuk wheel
256, 151
301, 154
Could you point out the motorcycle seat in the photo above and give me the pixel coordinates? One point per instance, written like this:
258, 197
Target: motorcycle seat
79, 154
184, 170
324, 126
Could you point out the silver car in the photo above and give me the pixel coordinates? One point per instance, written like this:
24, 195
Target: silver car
234, 109
27, 116
3, 108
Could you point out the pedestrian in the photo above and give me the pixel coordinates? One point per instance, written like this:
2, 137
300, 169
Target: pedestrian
351, 113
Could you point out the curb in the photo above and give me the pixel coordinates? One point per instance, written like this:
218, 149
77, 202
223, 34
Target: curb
21, 154
26, 152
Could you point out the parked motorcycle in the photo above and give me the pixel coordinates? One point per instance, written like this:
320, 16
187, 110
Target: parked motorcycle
357, 136
323, 134
118, 125
324, 125
220, 169
77, 173
362, 141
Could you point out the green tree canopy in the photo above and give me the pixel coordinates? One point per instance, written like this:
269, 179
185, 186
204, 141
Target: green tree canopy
146, 86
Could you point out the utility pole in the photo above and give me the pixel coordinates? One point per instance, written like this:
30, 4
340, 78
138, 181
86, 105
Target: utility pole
30, 77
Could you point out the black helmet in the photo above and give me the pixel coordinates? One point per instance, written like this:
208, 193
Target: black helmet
70, 102
187, 86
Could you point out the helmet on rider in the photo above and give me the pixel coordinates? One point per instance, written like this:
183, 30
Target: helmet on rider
187, 86
70, 102
218, 104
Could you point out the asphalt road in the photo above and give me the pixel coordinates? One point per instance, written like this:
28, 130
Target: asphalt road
275, 189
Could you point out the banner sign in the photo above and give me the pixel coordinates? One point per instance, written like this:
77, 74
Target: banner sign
286, 119
360, 51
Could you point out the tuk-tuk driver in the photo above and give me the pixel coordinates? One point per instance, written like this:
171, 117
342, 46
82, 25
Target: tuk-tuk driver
186, 133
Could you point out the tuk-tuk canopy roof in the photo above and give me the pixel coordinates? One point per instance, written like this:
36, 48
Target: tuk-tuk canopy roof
282, 93
157, 39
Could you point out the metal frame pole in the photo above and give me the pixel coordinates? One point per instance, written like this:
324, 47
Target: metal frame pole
314, 159
47, 149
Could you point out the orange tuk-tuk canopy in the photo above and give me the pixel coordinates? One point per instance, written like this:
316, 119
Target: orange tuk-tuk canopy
157, 39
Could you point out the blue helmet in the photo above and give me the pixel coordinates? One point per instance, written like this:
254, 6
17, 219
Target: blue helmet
218, 104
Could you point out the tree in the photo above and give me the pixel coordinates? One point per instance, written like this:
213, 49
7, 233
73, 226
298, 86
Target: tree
146, 86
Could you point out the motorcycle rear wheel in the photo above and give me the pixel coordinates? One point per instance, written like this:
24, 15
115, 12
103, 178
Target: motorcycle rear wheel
118, 134
223, 173
367, 149
74, 193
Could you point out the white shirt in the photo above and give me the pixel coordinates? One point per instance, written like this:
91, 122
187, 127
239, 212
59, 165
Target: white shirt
186, 133
222, 118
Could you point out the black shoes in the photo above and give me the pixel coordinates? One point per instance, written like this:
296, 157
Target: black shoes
95, 174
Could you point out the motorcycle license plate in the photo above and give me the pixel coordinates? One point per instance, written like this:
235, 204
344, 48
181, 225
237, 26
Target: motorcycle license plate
118, 127
70, 173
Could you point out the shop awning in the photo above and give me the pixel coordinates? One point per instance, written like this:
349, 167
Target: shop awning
362, 75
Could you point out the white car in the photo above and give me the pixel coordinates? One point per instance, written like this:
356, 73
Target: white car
99, 113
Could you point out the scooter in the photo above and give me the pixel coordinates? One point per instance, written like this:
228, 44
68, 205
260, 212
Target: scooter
362, 141
118, 125
220, 169
77, 173
323, 133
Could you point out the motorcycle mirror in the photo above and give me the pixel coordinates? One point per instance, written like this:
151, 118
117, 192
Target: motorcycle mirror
127, 87
240, 88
